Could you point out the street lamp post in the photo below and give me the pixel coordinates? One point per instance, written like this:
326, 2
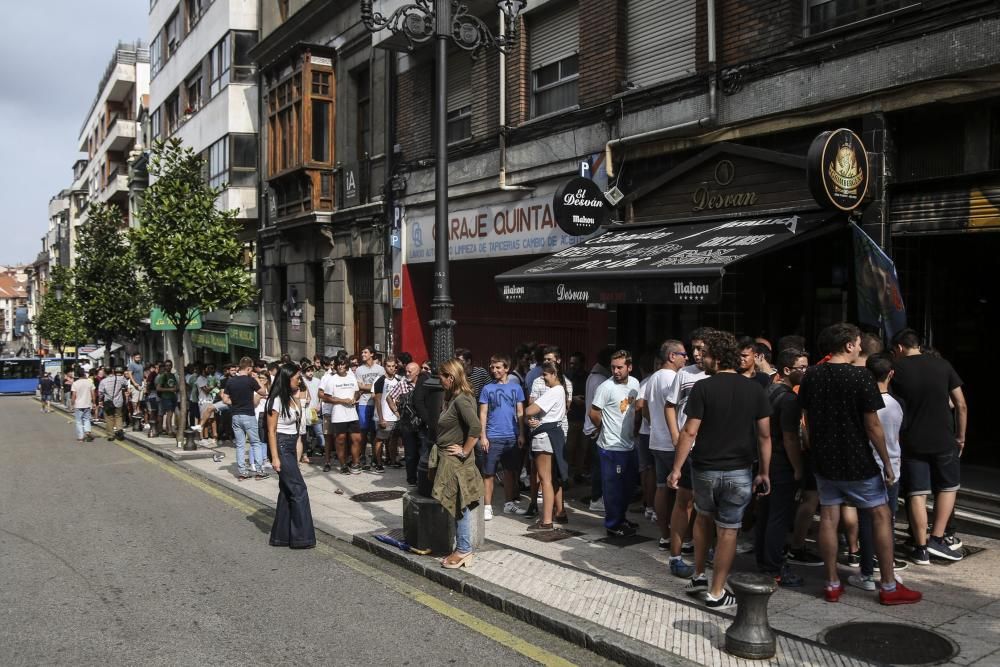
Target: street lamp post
443, 21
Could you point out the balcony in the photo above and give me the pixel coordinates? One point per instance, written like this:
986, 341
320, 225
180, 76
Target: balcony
120, 136
115, 188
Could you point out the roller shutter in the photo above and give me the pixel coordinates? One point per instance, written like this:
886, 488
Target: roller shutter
459, 80
553, 35
661, 40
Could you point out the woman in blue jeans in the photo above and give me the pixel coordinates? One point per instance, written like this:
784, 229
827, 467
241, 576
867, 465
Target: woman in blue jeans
293, 524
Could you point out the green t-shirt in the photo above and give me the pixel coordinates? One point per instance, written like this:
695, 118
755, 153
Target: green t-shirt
167, 381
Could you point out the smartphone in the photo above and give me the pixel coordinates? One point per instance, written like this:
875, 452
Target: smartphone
761, 489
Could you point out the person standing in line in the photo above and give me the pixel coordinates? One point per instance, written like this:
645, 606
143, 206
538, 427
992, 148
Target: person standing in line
239, 393
840, 402
748, 362
598, 374
501, 413
674, 415
67, 387
458, 486
776, 511
730, 416
342, 392
932, 442
314, 418
84, 395
409, 423
762, 357
576, 452
545, 417
166, 390
112, 394
385, 417
644, 459
672, 358
477, 375
152, 400
367, 372
613, 413
539, 386
133, 373
293, 524
45, 388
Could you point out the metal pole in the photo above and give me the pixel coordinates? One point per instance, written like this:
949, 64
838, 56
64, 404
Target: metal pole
442, 335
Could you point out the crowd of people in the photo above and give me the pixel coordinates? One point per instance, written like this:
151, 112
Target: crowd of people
777, 438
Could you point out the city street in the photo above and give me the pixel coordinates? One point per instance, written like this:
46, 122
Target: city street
116, 558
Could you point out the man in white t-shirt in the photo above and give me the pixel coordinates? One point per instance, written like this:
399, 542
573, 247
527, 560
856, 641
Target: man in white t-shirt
672, 358
385, 417
676, 399
83, 394
314, 418
613, 413
367, 373
341, 391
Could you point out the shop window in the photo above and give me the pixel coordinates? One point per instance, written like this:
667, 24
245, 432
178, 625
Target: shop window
822, 15
554, 87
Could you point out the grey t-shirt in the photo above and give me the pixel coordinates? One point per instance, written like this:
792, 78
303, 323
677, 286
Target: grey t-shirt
368, 375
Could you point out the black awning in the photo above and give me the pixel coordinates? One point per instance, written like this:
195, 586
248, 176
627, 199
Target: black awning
676, 263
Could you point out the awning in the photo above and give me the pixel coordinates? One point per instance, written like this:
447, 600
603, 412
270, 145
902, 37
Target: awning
98, 354
654, 263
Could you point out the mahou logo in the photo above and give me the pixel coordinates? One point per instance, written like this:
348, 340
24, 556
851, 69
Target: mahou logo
691, 291
564, 293
513, 291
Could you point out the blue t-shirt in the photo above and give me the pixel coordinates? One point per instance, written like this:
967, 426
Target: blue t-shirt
501, 401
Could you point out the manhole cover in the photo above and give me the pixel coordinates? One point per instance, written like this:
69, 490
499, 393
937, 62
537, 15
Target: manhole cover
377, 496
553, 535
891, 643
967, 551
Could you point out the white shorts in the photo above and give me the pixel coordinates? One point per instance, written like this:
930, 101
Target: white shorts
541, 443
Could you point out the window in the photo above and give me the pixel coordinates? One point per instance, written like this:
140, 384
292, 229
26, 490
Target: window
554, 87
218, 66
193, 11
821, 15
243, 41
171, 113
243, 160
321, 131
460, 124
362, 86
661, 41
155, 123
218, 163
156, 55
172, 31
192, 92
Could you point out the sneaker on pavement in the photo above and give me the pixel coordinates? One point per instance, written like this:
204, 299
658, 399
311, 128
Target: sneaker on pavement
865, 582
953, 541
345, 470
697, 586
679, 568
853, 559
326, 467
744, 547
897, 565
833, 593
597, 505
355, 469
902, 595
624, 530
649, 514
378, 467
631, 524
803, 557
487, 513
664, 544
919, 556
513, 507
687, 548
532, 510
726, 601
937, 547
788, 579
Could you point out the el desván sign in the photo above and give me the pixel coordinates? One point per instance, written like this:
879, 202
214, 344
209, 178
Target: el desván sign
837, 169
579, 207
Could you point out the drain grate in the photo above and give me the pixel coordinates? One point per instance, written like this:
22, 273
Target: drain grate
890, 643
967, 550
553, 535
377, 496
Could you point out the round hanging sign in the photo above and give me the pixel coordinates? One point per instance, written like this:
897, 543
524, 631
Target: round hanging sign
579, 207
837, 169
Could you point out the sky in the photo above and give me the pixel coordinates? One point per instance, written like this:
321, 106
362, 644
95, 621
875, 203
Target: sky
54, 53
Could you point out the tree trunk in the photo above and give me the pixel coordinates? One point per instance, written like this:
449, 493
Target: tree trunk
182, 402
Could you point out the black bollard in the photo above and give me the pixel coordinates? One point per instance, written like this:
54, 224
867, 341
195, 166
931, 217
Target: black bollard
136, 423
750, 635
189, 443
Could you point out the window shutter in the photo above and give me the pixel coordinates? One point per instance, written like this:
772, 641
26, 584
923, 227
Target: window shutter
553, 35
459, 80
661, 40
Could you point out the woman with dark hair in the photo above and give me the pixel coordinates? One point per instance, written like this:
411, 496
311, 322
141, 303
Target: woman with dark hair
293, 524
548, 445
458, 486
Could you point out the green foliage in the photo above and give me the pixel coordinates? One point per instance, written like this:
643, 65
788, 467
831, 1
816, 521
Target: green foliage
189, 249
59, 320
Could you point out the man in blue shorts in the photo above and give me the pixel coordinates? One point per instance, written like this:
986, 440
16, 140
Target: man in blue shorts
368, 372
501, 411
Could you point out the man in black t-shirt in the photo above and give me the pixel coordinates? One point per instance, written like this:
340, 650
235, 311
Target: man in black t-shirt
930, 440
776, 512
840, 402
729, 415
239, 391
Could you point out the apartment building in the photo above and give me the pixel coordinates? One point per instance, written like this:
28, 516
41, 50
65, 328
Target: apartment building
203, 90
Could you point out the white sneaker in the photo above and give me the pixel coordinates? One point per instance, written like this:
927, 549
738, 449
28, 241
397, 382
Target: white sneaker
862, 581
513, 507
650, 514
487, 513
597, 505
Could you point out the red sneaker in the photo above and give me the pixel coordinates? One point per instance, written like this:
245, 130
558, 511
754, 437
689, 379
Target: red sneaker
902, 595
833, 593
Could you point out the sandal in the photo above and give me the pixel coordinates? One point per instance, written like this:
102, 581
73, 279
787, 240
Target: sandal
451, 563
538, 525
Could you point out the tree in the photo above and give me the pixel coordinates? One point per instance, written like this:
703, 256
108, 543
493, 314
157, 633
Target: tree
189, 250
59, 320
111, 303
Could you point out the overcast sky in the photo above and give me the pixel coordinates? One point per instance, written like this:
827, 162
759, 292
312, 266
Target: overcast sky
54, 53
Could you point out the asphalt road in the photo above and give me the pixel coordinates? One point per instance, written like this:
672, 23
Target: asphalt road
108, 557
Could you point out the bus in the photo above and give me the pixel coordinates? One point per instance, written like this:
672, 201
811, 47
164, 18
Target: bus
20, 375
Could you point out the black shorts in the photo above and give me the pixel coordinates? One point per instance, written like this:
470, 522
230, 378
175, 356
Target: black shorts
924, 474
340, 428
686, 481
808, 473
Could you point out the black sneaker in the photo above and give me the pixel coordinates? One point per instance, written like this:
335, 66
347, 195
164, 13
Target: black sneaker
727, 601
687, 548
697, 586
664, 544
623, 530
803, 557
631, 524
326, 468
853, 559
937, 547
919, 556
355, 470
345, 470
532, 510
953, 541
897, 565
261, 475
379, 468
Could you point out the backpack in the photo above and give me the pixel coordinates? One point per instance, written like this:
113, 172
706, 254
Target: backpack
409, 420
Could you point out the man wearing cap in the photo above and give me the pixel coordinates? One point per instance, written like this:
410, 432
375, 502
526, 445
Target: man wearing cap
112, 392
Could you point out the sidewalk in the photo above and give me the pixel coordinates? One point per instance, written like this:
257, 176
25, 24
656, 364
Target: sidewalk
621, 601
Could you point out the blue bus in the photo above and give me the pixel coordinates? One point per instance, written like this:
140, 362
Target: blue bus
19, 375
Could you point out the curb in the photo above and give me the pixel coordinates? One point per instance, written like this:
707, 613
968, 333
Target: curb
598, 639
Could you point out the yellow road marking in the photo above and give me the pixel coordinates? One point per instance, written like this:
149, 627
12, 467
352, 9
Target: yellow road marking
484, 628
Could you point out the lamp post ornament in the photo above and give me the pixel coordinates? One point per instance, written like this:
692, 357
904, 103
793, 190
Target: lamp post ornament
444, 21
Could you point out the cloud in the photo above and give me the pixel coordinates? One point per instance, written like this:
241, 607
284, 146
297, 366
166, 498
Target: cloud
55, 53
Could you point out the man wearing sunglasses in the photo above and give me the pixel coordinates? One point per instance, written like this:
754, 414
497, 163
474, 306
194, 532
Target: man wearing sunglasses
672, 358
